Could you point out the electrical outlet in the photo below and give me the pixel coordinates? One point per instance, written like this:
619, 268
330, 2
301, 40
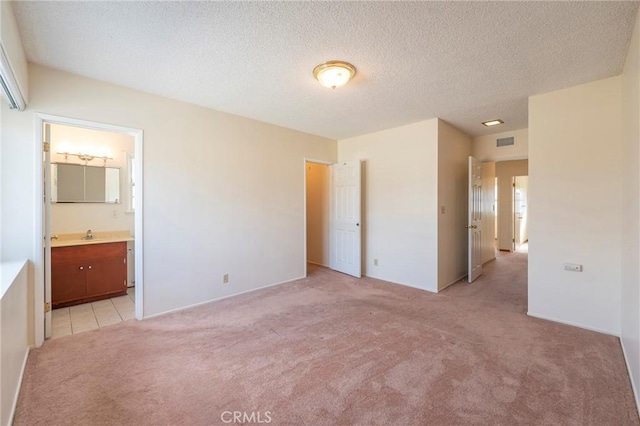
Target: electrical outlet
225, 278
375, 262
573, 267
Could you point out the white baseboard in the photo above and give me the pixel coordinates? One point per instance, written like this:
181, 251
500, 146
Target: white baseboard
399, 283
573, 324
633, 384
490, 260
219, 298
14, 406
452, 282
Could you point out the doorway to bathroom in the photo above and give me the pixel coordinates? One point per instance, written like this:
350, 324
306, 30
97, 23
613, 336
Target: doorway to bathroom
91, 266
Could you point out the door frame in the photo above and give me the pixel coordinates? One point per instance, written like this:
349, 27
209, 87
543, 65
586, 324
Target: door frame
40, 234
513, 214
515, 232
474, 219
306, 160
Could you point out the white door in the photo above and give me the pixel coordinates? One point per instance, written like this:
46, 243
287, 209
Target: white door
474, 227
345, 241
46, 221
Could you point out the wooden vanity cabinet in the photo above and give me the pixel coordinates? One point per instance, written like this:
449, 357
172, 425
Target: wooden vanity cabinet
86, 273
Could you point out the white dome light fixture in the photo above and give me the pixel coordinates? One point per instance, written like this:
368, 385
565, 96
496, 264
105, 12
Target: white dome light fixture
334, 73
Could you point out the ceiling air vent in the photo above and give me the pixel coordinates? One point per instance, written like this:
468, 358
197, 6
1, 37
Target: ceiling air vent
505, 141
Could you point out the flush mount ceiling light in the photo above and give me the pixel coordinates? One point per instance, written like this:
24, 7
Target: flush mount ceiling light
492, 122
334, 73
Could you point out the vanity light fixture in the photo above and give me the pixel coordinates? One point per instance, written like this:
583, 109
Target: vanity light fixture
492, 122
87, 157
334, 74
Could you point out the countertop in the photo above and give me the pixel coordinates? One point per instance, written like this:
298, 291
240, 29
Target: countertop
99, 237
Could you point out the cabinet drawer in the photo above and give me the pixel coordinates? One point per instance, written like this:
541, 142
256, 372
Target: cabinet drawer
76, 254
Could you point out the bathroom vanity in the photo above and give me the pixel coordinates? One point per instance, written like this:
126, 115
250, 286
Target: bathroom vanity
88, 270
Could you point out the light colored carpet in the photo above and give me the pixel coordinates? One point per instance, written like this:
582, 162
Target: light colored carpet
333, 350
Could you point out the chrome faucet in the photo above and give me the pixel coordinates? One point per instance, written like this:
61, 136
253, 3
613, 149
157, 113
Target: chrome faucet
88, 236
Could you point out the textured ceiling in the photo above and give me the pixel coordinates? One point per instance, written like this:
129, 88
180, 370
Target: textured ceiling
465, 62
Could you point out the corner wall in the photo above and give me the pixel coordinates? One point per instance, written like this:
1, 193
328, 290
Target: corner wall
630, 303
454, 149
575, 205
401, 193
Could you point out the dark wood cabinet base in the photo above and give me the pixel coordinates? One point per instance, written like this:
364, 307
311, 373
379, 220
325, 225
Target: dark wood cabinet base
86, 273
87, 300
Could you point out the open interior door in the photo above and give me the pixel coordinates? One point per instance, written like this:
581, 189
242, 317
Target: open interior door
346, 237
46, 221
474, 225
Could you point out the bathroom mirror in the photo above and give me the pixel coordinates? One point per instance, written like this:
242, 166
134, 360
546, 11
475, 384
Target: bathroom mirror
76, 183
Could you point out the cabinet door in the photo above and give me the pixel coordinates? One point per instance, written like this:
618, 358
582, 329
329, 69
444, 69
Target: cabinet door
68, 282
106, 276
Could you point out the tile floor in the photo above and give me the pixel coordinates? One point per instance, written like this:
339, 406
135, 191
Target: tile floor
89, 316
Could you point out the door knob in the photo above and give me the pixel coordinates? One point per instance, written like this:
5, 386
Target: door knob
471, 226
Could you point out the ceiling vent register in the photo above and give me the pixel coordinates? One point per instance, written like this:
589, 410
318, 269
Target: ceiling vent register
500, 142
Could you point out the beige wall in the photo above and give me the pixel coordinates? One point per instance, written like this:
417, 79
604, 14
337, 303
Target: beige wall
12, 45
410, 173
488, 211
318, 187
575, 204
220, 191
630, 278
454, 149
505, 172
484, 147
78, 217
401, 202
